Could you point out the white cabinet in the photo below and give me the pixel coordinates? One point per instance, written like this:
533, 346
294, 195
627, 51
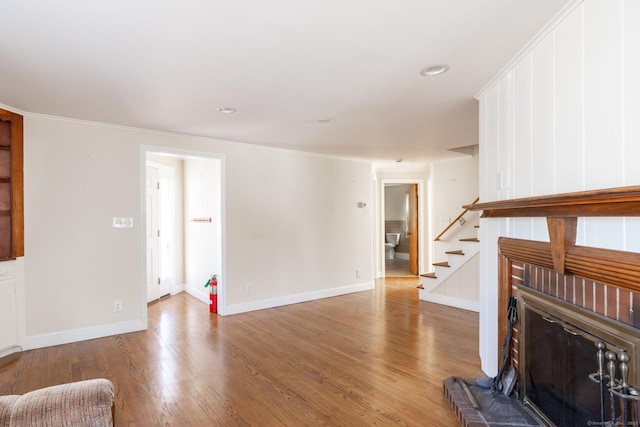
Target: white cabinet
8, 307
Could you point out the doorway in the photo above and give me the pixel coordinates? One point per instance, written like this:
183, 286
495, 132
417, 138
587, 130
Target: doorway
180, 189
401, 228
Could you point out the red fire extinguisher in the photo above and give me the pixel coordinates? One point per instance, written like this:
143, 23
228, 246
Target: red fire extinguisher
213, 293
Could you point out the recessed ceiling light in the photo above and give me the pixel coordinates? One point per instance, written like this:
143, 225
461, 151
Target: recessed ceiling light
323, 120
226, 110
434, 70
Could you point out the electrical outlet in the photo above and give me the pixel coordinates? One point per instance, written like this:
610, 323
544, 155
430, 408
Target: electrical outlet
247, 288
357, 273
117, 306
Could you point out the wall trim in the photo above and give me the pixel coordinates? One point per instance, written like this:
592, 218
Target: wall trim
176, 134
83, 334
10, 350
453, 302
294, 299
196, 292
176, 289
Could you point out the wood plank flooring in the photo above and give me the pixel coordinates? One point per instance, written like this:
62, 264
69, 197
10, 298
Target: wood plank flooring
397, 268
373, 358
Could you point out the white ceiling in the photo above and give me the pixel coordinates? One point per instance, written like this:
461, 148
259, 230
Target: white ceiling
283, 64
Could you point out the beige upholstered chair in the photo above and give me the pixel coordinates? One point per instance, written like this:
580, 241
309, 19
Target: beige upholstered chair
82, 403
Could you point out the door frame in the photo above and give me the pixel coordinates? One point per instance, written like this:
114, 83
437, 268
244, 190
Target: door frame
155, 279
421, 222
222, 289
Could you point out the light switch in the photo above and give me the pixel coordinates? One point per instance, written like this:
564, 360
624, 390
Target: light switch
122, 222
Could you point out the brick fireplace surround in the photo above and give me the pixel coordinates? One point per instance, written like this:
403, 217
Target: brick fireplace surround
603, 281
618, 302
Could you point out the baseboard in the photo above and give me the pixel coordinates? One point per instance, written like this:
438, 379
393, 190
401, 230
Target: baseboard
402, 255
10, 350
75, 335
453, 302
176, 289
201, 294
295, 299
83, 334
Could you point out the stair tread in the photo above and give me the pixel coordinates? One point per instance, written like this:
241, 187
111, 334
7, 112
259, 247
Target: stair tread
442, 264
470, 239
420, 287
455, 252
429, 275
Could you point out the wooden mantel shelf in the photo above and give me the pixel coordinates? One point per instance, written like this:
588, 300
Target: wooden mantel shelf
617, 268
621, 201
562, 212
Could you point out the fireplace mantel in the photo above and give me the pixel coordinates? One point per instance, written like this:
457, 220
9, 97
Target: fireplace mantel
620, 201
561, 254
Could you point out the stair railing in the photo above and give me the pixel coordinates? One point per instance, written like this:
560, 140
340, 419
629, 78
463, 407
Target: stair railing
458, 218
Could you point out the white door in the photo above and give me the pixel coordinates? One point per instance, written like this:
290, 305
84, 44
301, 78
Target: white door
153, 231
167, 206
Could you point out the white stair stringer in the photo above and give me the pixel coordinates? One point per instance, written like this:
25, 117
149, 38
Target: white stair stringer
456, 285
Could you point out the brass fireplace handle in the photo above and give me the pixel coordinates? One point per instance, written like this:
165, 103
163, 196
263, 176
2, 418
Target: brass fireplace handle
571, 331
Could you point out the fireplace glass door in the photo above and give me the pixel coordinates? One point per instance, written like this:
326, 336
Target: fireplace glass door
559, 359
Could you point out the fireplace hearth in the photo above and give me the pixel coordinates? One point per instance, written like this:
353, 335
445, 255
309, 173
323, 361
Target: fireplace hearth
489, 410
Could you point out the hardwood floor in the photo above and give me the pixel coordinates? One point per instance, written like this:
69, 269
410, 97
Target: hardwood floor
369, 358
397, 268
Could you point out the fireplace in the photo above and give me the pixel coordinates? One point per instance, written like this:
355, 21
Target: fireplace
562, 317
571, 298
558, 357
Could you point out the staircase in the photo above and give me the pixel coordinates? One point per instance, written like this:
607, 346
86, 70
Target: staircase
454, 282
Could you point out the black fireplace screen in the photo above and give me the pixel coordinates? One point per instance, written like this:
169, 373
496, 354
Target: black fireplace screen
565, 379
559, 359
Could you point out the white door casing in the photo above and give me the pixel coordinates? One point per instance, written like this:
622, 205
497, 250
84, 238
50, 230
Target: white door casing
152, 233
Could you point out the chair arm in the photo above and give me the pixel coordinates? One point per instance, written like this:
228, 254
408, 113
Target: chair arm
85, 403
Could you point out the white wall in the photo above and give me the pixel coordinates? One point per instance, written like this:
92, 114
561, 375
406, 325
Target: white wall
562, 117
455, 183
202, 199
294, 230
460, 289
395, 202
